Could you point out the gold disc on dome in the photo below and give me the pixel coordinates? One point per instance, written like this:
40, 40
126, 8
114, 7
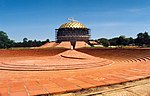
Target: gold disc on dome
73, 24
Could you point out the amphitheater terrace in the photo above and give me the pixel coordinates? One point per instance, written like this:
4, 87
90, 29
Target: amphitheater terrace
55, 71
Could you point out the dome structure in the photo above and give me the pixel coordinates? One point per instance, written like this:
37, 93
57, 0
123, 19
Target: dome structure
72, 31
73, 24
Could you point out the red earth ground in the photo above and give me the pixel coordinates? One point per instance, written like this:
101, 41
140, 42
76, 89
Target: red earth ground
65, 44
54, 71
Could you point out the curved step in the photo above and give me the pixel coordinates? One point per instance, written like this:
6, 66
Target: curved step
4, 66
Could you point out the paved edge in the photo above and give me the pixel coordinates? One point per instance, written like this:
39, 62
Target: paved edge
106, 88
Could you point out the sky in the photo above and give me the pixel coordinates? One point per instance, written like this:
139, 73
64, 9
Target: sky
38, 19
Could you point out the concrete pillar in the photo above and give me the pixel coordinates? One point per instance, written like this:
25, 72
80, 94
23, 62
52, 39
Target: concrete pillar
73, 44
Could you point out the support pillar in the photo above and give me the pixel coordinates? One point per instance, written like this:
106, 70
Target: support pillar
73, 44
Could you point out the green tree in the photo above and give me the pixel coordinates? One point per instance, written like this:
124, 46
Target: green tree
113, 41
104, 42
131, 41
122, 41
5, 42
142, 39
25, 40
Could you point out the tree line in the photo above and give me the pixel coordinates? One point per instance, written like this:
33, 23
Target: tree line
6, 43
142, 40
30, 43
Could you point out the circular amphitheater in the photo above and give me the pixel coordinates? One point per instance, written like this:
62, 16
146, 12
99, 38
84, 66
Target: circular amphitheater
68, 60
58, 70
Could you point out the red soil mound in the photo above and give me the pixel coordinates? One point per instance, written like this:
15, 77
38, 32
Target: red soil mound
65, 44
30, 52
68, 60
112, 54
117, 54
76, 54
49, 44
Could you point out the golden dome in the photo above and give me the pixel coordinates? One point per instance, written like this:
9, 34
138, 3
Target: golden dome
73, 24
